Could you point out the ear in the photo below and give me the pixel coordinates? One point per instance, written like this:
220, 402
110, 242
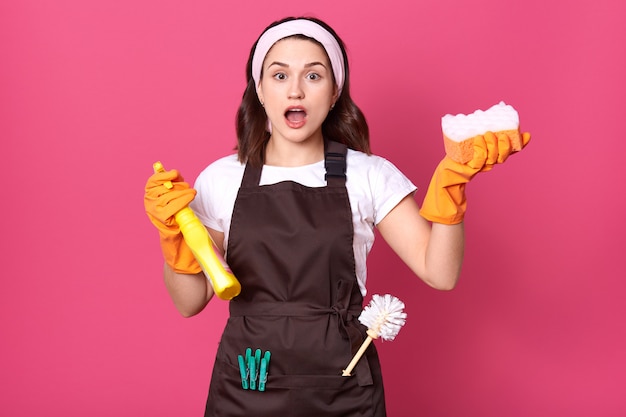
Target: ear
335, 96
259, 93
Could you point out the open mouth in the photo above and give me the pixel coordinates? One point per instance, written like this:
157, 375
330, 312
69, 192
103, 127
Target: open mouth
295, 117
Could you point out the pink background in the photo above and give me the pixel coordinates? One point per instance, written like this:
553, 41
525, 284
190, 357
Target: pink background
92, 92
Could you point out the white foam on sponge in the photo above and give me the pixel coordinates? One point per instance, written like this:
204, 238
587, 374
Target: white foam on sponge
464, 126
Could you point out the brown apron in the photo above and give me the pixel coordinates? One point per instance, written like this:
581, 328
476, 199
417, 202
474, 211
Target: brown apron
291, 248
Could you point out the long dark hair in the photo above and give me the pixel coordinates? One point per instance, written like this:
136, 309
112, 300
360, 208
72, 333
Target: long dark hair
345, 123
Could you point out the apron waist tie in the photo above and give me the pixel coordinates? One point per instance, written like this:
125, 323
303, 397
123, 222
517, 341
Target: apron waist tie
348, 326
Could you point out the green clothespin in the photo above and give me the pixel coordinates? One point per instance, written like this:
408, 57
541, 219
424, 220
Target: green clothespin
243, 370
252, 371
257, 359
248, 355
263, 371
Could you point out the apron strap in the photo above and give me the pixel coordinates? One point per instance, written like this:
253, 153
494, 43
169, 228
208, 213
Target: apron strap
251, 176
335, 163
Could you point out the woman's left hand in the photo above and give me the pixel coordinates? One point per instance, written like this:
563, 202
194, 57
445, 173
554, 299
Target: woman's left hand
445, 200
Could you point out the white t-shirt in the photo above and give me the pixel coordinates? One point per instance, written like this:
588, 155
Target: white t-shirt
375, 186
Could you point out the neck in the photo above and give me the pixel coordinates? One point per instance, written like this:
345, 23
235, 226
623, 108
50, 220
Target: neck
293, 154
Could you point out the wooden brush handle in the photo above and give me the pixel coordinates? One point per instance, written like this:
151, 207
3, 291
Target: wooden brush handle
357, 356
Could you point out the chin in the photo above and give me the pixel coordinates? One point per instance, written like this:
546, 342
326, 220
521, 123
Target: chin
301, 135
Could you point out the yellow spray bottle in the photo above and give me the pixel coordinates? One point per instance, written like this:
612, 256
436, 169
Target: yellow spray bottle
224, 283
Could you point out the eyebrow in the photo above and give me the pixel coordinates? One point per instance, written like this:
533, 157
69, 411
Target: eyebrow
309, 65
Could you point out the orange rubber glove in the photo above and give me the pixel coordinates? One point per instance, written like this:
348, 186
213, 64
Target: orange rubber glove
166, 194
445, 200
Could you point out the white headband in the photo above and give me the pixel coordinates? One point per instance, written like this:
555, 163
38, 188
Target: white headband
299, 27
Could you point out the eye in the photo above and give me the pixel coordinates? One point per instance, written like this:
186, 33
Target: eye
280, 76
313, 76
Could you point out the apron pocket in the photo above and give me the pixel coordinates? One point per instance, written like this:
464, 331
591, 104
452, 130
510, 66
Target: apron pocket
322, 382
306, 395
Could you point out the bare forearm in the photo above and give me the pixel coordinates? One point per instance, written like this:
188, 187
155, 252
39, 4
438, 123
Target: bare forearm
189, 292
444, 255
433, 252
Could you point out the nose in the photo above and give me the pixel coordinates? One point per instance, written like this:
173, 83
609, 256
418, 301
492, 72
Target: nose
295, 89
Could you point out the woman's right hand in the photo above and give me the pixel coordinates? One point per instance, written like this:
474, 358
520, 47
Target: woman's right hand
166, 193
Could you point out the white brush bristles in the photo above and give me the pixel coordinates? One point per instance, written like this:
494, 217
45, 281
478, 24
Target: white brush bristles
384, 316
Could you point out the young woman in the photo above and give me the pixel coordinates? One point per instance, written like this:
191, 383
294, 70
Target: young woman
294, 212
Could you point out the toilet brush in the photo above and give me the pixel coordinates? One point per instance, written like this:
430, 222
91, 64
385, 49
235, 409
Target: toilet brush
383, 318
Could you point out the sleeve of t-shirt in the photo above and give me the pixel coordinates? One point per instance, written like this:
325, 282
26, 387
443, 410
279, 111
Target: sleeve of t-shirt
217, 187
389, 187
203, 204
